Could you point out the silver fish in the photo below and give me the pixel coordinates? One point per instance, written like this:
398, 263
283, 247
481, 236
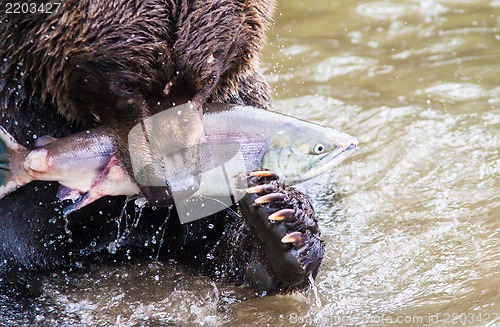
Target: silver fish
239, 138
85, 164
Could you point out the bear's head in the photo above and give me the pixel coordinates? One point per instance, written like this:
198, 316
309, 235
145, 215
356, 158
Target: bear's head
115, 63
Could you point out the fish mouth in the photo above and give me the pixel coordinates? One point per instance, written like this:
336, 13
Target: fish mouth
325, 164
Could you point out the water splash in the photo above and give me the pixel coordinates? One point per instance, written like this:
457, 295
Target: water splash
314, 288
124, 216
163, 228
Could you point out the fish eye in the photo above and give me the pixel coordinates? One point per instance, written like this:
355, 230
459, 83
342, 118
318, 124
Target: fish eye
319, 148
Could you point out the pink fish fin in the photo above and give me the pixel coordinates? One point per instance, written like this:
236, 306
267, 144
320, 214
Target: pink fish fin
81, 202
97, 190
66, 193
44, 140
113, 180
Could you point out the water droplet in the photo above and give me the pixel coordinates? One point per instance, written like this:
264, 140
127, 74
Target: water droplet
140, 202
112, 247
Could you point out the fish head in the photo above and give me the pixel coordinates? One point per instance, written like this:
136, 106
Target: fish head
302, 150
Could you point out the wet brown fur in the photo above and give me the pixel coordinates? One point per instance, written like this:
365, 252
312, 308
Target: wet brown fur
117, 62
114, 63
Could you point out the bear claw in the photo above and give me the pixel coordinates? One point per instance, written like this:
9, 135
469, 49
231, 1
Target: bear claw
266, 188
283, 214
263, 173
273, 197
295, 237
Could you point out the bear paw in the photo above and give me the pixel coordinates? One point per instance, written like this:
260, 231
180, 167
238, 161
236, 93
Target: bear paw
284, 222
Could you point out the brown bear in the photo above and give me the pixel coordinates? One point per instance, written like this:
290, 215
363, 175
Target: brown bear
113, 63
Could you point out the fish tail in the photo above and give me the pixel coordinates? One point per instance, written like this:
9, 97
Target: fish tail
12, 173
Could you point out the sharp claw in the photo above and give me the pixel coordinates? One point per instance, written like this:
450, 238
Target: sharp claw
270, 198
295, 237
266, 188
263, 173
283, 214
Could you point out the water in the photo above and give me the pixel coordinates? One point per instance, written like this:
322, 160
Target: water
411, 221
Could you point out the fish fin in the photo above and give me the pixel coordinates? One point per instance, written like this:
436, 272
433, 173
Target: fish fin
66, 193
11, 153
44, 140
81, 202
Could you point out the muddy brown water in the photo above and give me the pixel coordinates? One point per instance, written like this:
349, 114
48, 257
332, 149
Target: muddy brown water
411, 221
